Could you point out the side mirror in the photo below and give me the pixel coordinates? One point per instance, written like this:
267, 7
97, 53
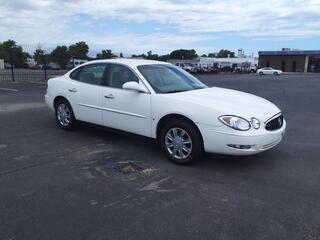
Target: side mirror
134, 86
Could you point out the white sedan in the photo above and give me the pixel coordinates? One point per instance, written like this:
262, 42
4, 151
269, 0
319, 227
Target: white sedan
161, 101
268, 71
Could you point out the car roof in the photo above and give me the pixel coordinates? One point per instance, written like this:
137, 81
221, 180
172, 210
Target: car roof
128, 61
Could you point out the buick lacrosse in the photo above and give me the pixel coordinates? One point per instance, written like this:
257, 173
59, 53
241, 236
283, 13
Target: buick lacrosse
161, 101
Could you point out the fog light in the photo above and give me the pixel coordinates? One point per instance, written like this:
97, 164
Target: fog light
239, 146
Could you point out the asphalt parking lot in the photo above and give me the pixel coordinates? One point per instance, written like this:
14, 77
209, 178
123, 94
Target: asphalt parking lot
95, 183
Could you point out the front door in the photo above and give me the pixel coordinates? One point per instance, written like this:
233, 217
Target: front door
125, 109
283, 66
294, 66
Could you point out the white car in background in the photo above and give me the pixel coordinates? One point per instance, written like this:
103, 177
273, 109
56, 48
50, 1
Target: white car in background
161, 101
187, 67
268, 71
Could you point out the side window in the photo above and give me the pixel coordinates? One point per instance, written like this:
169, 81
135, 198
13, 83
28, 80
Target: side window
119, 75
75, 73
92, 73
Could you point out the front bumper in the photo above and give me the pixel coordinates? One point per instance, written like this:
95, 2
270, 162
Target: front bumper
49, 101
217, 141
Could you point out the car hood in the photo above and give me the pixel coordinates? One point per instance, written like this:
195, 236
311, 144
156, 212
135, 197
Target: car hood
231, 102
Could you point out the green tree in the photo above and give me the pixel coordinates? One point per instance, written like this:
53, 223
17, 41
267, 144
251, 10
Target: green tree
183, 54
224, 53
12, 53
204, 55
60, 55
151, 56
139, 56
105, 54
211, 55
39, 55
121, 55
79, 50
164, 58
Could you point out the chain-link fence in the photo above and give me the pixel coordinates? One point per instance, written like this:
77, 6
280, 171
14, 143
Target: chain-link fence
25, 74
34, 62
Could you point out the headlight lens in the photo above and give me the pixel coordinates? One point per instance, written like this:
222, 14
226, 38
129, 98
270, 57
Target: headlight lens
235, 122
255, 123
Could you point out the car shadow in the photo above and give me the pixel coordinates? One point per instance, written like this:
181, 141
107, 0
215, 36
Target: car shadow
148, 150
218, 161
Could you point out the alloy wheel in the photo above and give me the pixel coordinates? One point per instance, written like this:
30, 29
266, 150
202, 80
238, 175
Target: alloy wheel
64, 115
178, 143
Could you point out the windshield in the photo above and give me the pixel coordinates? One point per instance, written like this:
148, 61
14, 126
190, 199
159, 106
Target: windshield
169, 79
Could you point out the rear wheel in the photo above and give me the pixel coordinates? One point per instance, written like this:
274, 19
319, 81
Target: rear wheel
64, 115
181, 141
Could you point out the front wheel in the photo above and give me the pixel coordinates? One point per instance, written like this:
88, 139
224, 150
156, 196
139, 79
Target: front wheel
260, 73
64, 115
181, 141
275, 73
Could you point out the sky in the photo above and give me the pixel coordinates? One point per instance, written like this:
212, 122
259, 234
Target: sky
137, 26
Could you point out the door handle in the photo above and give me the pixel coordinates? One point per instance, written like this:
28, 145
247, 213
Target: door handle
72, 90
110, 96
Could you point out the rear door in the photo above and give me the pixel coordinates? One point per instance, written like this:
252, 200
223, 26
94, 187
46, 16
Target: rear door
123, 109
85, 92
269, 70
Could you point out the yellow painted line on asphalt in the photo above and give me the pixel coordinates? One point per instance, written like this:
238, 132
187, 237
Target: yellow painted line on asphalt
9, 89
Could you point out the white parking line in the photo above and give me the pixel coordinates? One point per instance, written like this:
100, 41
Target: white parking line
41, 83
9, 89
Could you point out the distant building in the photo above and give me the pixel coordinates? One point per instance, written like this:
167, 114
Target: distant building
240, 53
1, 64
291, 60
31, 62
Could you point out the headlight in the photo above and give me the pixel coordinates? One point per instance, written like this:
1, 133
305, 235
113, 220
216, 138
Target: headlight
235, 122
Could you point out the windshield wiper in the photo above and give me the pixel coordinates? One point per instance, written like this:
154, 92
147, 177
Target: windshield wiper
175, 91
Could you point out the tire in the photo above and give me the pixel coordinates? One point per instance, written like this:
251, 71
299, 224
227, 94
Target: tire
187, 132
64, 115
275, 73
260, 73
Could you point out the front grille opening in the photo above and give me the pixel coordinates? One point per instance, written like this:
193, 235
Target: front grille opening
275, 123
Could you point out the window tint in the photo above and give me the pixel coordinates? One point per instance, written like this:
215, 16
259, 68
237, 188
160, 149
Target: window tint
75, 73
92, 74
119, 75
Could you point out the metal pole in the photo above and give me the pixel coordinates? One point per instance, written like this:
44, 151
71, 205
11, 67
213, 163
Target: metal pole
12, 73
45, 67
11, 62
